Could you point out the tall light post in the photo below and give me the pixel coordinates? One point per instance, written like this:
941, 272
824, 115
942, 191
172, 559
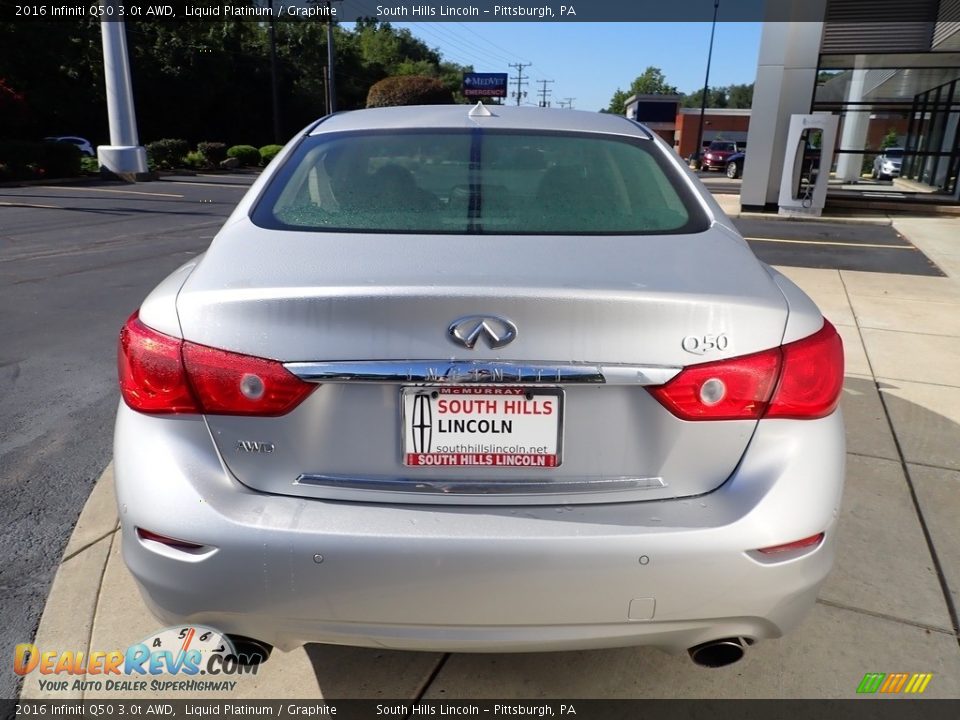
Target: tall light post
274, 90
706, 87
124, 156
331, 80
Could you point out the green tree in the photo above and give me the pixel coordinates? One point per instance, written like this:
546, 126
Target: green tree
618, 103
740, 96
651, 82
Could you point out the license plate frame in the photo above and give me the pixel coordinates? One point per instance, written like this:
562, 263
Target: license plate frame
542, 449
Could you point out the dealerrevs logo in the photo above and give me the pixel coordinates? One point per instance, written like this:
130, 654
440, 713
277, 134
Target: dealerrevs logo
184, 652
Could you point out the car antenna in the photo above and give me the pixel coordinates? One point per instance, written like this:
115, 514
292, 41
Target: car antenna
479, 110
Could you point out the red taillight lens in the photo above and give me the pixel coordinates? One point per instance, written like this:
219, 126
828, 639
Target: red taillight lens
800, 380
812, 376
231, 384
162, 374
734, 389
152, 378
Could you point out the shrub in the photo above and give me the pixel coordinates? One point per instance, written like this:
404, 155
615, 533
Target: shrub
59, 159
168, 153
15, 156
23, 160
246, 154
90, 164
269, 152
214, 152
196, 160
408, 90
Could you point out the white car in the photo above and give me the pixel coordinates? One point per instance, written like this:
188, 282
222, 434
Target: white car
424, 393
82, 143
887, 164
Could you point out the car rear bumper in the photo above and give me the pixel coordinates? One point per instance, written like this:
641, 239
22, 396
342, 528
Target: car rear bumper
290, 570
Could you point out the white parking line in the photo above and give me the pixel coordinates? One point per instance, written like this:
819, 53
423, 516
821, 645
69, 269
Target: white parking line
108, 190
829, 242
31, 205
203, 184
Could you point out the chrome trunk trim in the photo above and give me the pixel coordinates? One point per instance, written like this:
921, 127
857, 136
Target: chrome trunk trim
446, 488
456, 372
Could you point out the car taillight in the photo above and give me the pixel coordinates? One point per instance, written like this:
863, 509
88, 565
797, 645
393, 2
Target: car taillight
800, 380
812, 376
163, 374
152, 376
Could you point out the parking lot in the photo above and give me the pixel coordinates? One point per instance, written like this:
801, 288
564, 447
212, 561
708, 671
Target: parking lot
75, 260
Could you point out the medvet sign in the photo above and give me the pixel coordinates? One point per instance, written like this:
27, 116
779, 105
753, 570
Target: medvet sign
485, 84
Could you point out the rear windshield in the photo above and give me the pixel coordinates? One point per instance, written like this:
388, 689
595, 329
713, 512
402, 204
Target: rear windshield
479, 182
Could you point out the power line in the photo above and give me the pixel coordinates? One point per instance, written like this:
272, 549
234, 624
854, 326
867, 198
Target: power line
519, 79
567, 103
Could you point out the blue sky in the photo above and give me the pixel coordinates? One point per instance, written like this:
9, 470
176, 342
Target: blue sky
589, 61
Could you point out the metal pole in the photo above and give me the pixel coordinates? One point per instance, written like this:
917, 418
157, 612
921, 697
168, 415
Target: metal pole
706, 86
123, 156
274, 89
331, 83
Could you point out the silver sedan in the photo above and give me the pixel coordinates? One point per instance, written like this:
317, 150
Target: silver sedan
480, 379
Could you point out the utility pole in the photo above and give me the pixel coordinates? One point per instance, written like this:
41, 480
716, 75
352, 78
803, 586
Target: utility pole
544, 93
519, 79
567, 103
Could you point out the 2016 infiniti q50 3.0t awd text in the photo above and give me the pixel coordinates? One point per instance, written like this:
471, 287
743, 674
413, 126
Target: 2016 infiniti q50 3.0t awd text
483, 379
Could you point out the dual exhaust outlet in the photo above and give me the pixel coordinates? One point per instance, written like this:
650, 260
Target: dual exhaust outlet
712, 654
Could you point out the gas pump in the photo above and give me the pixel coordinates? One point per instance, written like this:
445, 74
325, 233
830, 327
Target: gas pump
806, 166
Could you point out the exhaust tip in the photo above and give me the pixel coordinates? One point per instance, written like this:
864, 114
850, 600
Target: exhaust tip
718, 653
249, 651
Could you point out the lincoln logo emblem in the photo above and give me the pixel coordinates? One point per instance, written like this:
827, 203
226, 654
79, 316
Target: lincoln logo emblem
496, 331
422, 422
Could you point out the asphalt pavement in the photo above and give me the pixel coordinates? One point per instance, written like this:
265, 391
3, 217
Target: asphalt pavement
75, 260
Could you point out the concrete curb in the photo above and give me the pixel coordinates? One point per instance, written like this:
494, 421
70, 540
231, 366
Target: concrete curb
67, 619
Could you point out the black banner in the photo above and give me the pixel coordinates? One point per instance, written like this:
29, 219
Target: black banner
447, 11
856, 709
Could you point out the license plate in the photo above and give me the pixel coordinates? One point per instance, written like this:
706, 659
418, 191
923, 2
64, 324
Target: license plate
482, 426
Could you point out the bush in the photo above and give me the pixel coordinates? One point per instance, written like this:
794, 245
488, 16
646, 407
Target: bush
408, 90
214, 152
59, 159
246, 154
15, 158
90, 164
196, 160
269, 152
24, 160
168, 153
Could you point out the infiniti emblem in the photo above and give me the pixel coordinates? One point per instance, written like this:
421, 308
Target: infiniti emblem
495, 330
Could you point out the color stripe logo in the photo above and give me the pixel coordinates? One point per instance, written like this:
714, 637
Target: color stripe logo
893, 683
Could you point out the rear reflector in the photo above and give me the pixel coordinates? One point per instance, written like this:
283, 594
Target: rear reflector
163, 374
800, 380
808, 542
168, 541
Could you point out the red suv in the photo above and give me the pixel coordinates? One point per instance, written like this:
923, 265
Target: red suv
715, 156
